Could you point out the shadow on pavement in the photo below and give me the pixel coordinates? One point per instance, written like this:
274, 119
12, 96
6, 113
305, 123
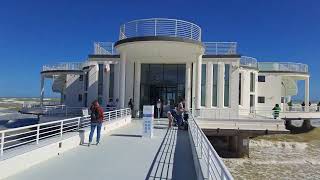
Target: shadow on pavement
173, 159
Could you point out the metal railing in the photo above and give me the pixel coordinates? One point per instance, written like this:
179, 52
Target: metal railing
220, 48
211, 166
27, 104
283, 66
34, 134
160, 27
104, 48
250, 62
217, 114
63, 66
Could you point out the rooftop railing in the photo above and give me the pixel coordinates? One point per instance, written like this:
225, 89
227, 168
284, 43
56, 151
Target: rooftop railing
160, 27
283, 66
63, 66
210, 164
34, 134
104, 48
250, 62
220, 48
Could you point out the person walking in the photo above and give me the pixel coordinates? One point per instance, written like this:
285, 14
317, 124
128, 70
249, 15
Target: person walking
130, 104
96, 121
276, 111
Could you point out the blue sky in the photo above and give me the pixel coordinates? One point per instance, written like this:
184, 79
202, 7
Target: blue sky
33, 33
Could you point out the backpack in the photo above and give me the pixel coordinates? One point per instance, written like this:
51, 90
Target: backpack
94, 115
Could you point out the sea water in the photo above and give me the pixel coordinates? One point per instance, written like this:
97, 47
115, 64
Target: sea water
286, 156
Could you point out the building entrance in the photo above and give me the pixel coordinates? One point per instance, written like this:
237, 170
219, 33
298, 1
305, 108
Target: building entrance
162, 81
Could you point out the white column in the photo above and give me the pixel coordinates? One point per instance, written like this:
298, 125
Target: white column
41, 90
209, 83
122, 80
194, 78
188, 86
220, 89
107, 86
137, 76
198, 82
116, 81
306, 93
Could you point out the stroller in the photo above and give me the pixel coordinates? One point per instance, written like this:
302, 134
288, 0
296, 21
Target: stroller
183, 118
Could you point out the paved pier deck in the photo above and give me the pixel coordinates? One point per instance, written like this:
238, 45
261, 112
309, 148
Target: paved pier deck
122, 154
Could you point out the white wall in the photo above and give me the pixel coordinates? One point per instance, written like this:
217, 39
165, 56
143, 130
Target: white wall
129, 82
234, 83
244, 106
93, 84
74, 87
271, 90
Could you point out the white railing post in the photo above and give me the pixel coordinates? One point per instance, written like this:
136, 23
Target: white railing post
38, 134
2, 143
155, 27
216, 48
116, 114
109, 116
136, 28
176, 29
112, 48
191, 31
61, 129
79, 123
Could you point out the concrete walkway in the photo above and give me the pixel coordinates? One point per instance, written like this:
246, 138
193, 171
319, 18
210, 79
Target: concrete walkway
123, 154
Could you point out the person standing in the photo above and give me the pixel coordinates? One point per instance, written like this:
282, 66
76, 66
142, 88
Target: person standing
276, 111
96, 121
130, 104
116, 104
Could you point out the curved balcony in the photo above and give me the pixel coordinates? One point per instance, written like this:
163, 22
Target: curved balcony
283, 67
160, 27
249, 62
73, 66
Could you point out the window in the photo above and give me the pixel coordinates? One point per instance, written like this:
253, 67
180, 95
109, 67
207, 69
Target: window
215, 85
203, 84
81, 77
261, 99
100, 83
86, 81
261, 79
80, 97
226, 85
252, 82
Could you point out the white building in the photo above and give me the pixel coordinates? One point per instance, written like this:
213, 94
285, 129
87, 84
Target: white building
166, 59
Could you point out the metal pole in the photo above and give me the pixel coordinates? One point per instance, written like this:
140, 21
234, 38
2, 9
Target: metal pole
2, 143
61, 129
191, 30
176, 29
79, 123
38, 134
155, 27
